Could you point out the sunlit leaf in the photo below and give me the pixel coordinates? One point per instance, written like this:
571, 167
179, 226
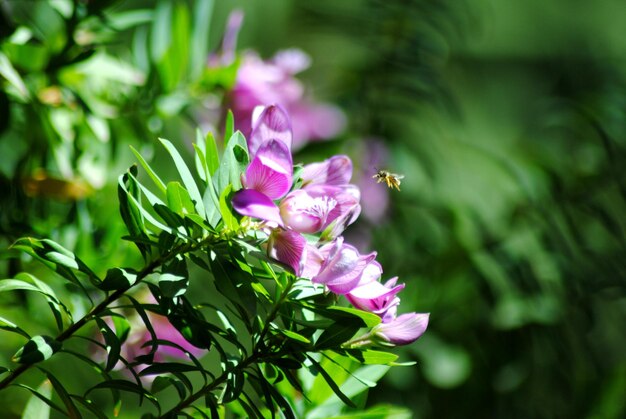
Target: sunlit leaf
185, 174
38, 349
118, 278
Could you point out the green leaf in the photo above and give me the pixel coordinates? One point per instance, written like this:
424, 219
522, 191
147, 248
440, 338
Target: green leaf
56, 257
335, 335
72, 410
284, 405
91, 406
202, 168
41, 288
173, 285
129, 210
112, 343
160, 383
138, 213
202, 13
36, 408
167, 367
369, 319
229, 128
122, 327
12, 327
127, 386
13, 77
178, 199
226, 209
317, 367
211, 153
161, 30
155, 178
233, 388
118, 278
370, 356
38, 349
233, 163
42, 397
185, 174
295, 336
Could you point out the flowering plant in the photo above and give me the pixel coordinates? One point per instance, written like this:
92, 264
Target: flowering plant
267, 239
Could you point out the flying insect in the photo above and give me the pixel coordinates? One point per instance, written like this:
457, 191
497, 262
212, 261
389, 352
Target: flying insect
391, 179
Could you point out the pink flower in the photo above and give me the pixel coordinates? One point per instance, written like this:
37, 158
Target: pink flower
342, 267
402, 330
313, 209
336, 170
288, 247
270, 173
261, 81
377, 298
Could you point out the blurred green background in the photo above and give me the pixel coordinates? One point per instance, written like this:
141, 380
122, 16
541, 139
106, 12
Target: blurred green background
508, 120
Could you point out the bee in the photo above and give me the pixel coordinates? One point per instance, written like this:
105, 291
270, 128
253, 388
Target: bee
391, 179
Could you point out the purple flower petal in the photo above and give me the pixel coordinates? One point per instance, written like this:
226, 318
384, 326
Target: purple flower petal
289, 248
271, 170
272, 124
375, 297
313, 262
257, 205
343, 268
334, 171
403, 329
292, 61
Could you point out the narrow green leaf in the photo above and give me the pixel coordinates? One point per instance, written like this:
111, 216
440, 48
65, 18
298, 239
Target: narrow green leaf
12, 327
95, 410
372, 357
127, 386
155, 178
38, 349
118, 278
211, 153
41, 397
36, 408
72, 410
56, 257
160, 383
173, 285
130, 213
335, 335
167, 367
295, 336
122, 328
185, 174
226, 209
139, 213
229, 128
13, 77
369, 319
161, 30
199, 147
113, 346
331, 383
233, 163
178, 199
202, 13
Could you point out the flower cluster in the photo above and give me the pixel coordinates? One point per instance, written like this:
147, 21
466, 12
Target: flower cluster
260, 81
325, 204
